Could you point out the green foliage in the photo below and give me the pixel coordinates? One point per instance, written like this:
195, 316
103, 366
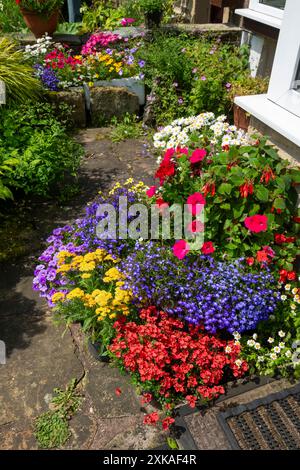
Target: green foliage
227, 205
11, 19
38, 147
189, 76
69, 28
247, 85
128, 128
44, 8
52, 427
151, 6
172, 443
16, 73
218, 67
6, 166
102, 15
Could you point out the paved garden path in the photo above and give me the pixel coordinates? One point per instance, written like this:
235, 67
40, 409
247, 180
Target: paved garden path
42, 356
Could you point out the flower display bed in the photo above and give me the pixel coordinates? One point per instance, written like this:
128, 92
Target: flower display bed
184, 321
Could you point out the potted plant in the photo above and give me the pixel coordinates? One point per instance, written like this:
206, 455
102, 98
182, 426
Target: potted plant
40, 16
153, 12
242, 87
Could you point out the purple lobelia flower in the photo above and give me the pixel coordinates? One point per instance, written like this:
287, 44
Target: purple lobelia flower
217, 295
47, 76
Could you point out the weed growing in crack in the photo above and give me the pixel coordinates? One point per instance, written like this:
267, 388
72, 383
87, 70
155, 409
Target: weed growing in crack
51, 429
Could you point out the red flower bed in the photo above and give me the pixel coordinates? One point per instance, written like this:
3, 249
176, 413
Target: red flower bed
174, 364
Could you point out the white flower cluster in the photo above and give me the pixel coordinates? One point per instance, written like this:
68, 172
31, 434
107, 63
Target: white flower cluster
41, 46
220, 131
276, 350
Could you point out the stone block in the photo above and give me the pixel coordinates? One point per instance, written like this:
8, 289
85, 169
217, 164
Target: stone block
76, 99
109, 102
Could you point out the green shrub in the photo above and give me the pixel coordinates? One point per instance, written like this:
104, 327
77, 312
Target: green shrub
45, 153
190, 75
11, 19
101, 14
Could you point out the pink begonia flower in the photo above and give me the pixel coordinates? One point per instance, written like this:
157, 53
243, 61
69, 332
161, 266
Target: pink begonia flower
195, 203
198, 155
151, 191
180, 249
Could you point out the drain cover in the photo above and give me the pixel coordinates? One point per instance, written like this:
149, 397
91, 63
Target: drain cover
270, 423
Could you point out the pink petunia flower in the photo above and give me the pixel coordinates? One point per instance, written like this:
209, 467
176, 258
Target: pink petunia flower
198, 155
151, 191
180, 249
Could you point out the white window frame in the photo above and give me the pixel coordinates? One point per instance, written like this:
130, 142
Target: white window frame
286, 60
266, 9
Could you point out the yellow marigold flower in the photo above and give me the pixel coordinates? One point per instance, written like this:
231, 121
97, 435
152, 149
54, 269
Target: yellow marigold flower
103, 298
64, 254
112, 274
95, 292
85, 276
75, 293
90, 84
89, 301
87, 266
89, 257
57, 297
120, 283
64, 268
112, 315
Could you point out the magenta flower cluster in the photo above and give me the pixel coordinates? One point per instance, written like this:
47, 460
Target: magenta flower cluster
99, 40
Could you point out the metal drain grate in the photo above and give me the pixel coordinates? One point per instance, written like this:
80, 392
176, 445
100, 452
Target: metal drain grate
270, 423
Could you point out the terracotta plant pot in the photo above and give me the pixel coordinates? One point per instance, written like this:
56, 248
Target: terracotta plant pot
241, 118
153, 19
39, 25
